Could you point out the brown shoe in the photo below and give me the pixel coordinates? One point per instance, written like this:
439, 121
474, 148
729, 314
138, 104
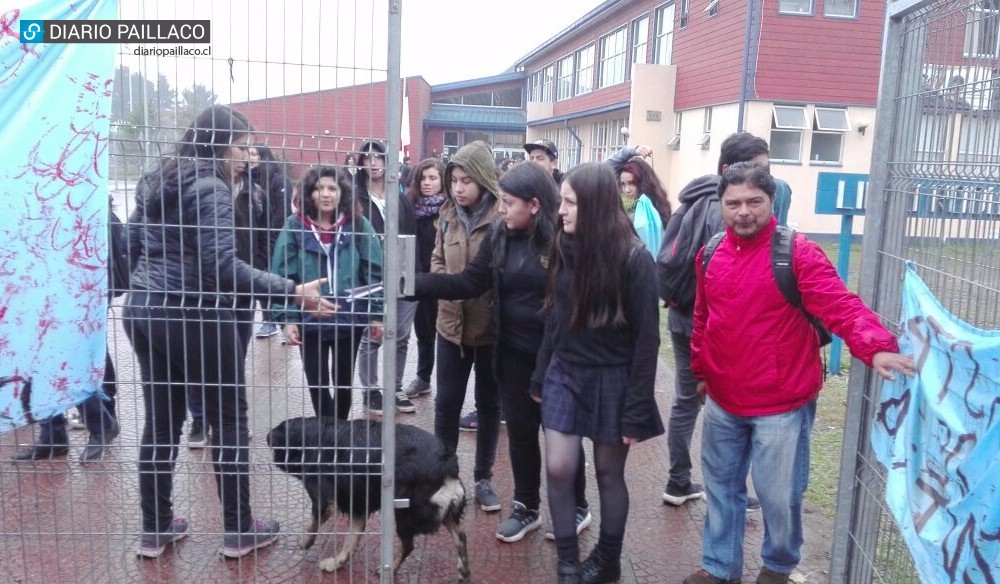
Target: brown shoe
771, 577
703, 577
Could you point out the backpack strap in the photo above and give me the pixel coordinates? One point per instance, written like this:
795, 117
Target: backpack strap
710, 247
782, 246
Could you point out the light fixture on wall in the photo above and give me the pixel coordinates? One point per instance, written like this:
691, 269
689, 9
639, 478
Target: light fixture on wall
862, 128
625, 132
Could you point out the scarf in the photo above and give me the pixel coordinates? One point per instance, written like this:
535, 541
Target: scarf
629, 204
327, 236
429, 206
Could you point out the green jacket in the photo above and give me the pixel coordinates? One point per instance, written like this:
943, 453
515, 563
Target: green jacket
299, 256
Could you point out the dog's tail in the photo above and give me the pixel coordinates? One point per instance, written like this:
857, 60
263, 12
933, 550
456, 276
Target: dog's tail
450, 500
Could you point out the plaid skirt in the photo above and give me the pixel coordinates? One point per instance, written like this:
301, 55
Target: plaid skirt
585, 400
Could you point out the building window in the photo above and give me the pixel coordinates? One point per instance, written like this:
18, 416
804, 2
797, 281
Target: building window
606, 138
979, 139
585, 70
450, 143
685, 10
613, 57
640, 39
932, 137
569, 147
664, 41
706, 128
829, 126
675, 142
548, 82
840, 8
713, 8
800, 7
787, 125
982, 31
564, 87
535, 86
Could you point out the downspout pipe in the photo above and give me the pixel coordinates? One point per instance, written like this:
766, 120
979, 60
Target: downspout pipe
579, 142
745, 68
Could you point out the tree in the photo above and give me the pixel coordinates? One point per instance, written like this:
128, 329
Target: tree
194, 100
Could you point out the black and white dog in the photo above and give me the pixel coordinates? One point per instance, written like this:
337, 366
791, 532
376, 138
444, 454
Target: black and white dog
339, 463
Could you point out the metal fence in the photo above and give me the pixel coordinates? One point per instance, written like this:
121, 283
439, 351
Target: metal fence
281, 64
936, 180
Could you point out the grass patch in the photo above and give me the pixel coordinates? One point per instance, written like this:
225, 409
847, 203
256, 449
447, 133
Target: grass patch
827, 442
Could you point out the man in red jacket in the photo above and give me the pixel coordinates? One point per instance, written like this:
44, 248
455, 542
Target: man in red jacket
757, 358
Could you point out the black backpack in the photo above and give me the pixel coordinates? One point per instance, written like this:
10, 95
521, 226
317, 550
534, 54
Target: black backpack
686, 232
782, 246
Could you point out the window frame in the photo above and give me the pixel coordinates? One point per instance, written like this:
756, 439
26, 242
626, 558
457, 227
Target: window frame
571, 59
800, 108
713, 8
660, 37
840, 153
974, 36
581, 73
853, 16
820, 127
812, 8
685, 13
605, 59
633, 45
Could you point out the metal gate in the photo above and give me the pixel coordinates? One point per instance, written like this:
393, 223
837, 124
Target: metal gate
936, 179
287, 66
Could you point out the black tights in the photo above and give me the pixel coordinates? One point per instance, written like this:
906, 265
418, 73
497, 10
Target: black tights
561, 460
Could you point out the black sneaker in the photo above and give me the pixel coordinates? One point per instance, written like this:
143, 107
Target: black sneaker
469, 422
677, 496
198, 436
403, 403
521, 521
583, 521
373, 402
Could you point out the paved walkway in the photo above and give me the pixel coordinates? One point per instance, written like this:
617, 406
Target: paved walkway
65, 522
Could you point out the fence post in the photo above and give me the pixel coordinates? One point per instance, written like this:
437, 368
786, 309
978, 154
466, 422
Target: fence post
857, 515
393, 95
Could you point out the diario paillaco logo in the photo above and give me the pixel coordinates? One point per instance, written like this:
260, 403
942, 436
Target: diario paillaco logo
32, 31
116, 31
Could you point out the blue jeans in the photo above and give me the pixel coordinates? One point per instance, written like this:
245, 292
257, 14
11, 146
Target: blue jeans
778, 448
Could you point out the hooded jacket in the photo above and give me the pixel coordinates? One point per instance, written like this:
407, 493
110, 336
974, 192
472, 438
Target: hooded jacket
185, 243
460, 233
756, 352
407, 219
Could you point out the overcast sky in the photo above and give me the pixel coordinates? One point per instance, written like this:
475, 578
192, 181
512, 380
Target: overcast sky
286, 47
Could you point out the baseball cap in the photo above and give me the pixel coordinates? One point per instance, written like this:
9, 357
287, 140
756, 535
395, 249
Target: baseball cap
545, 145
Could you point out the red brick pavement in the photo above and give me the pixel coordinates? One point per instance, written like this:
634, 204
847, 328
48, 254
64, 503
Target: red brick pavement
65, 522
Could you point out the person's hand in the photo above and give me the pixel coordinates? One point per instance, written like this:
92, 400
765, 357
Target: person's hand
375, 331
702, 391
310, 297
885, 362
643, 151
292, 335
629, 441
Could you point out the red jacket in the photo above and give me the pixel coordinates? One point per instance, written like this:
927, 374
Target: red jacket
757, 354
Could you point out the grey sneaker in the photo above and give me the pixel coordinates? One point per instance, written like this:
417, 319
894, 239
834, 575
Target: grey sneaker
521, 521
677, 496
198, 436
583, 521
418, 387
469, 422
151, 545
261, 533
403, 403
486, 497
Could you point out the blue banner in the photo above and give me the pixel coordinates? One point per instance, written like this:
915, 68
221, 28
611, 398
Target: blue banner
55, 102
938, 435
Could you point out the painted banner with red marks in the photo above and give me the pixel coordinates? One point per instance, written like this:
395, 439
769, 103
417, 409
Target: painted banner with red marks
938, 435
55, 101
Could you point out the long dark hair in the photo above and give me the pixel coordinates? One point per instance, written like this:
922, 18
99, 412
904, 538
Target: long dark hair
602, 241
526, 182
649, 184
201, 152
413, 193
343, 180
268, 173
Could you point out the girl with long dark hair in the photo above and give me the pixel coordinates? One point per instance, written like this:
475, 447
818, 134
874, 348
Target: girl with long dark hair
597, 364
513, 262
327, 238
181, 319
